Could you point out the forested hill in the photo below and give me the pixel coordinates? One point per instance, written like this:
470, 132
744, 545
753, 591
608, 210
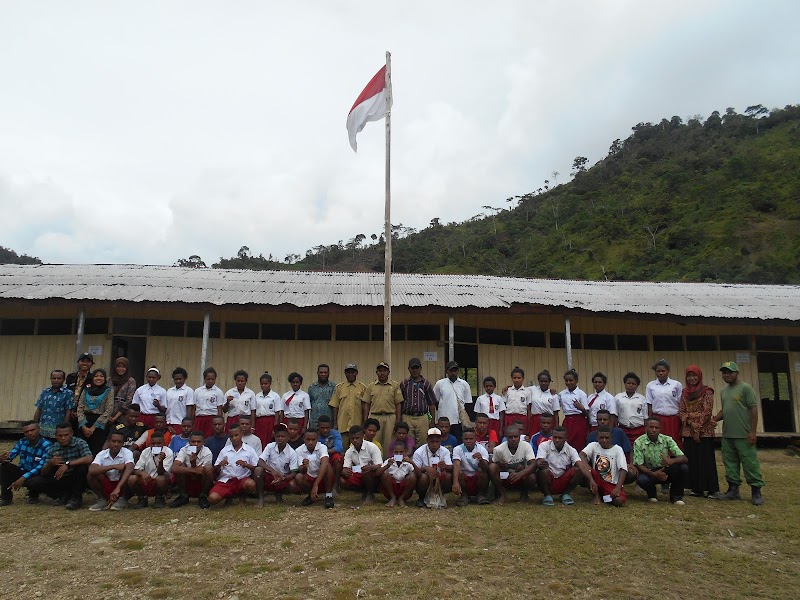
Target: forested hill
712, 200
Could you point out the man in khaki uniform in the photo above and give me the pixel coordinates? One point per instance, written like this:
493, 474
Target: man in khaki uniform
347, 404
385, 402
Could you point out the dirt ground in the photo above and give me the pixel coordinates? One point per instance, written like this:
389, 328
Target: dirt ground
704, 549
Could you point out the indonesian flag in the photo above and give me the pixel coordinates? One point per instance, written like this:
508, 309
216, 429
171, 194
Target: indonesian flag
369, 106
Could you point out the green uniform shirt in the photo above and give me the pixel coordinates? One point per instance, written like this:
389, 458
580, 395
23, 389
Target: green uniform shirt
650, 454
737, 400
383, 397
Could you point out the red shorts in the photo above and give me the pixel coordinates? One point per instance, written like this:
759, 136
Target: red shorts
149, 421
263, 429
277, 487
108, 486
671, 426
335, 457
230, 488
398, 487
506, 483
471, 484
149, 487
559, 484
205, 424
231, 421
194, 485
355, 481
604, 488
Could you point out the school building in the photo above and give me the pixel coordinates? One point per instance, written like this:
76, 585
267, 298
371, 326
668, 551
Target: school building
284, 321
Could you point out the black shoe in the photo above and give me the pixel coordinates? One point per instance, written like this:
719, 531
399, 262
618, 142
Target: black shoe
731, 494
329, 503
757, 499
420, 503
159, 502
74, 503
142, 503
5, 501
33, 498
307, 501
179, 501
203, 502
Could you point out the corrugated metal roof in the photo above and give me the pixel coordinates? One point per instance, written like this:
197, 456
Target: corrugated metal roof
137, 283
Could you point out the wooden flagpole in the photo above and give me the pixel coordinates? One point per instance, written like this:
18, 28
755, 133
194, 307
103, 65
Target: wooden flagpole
387, 226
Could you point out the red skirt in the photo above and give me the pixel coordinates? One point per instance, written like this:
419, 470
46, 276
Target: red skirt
510, 419
263, 429
533, 426
149, 421
231, 421
302, 422
633, 433
494, 425
577, 428
205, 424
671, 426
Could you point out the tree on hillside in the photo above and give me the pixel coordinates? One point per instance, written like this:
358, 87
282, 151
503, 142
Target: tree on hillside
756, 112
579, 165
9, 257
193, 262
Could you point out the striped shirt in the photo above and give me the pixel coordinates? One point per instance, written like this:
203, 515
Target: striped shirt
31, 458
77, 448
417, 396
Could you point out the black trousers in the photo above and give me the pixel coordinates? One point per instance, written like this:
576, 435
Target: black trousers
676, 476
9, 473
73, 483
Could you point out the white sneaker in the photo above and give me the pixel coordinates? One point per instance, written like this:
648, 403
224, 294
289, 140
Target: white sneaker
120, 504
99, 505
679, 503
653, 500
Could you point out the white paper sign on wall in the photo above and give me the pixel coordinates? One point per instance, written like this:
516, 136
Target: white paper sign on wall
431, 356
95, 350
742, 357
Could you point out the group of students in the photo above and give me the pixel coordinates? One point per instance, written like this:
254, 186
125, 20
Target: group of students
395, 438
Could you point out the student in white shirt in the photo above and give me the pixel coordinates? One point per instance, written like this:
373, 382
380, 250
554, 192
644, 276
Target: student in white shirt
248, 437
432, 461
178, 397
558, 472
397, 477
600, 400
663, 397
313, 462
491, 405
518, 402
267, 403
513, 466
206, 403
573, 404
151, 397
361, 461
295, 403
240, 400
470, 469
234, 469
604, 466
109, 473
151, 476
544, 399
631, 407
277, 467
194, 472
450, 392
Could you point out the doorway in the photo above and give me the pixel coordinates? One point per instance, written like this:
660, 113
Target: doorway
466, 355
775, 385
135, 350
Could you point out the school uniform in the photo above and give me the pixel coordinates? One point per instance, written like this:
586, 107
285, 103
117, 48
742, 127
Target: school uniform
631, 412
356, 458
206, 402
144, 397
491, 405
598, 401
314, 458
110, 479
542, 401
399, 474
294, 405
243, 403
194, 482
177, 399
251, 440
232, 477
664, 401
266, 406
517, 401
470, 467
284, 461
147, 464
517, 461
574, 420
423, 457
560, 464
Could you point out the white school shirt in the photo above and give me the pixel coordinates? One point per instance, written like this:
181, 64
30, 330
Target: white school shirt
469, 466
314, 457
448, 394
542, 401
398, 472
606, 461
266, 406
596, 402
177, 400
663, 397
498, 404
517, 400
283, 461
524, 454
104, 459
297, 407
144, 395
630, 410
557, 461
204, 457
147, 461
206, 400
242, 404
423, 456
567, 400
232, 470
368, 455
251, 440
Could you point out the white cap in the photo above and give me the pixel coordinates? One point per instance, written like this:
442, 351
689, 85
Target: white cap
434, 431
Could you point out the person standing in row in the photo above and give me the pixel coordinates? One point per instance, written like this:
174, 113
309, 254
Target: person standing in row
517, 399
295, 403
544, 399
320, 392
631, 408
663, 396
54, 405
206, 404
179, 396
697, 430
239, 400
385, 402
451, 392
151, 397
75, 381
419, 402
267, 402
95, 408
124, 388
347, 403
573, 403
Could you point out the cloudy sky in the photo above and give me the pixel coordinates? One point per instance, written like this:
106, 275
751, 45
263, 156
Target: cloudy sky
146, 131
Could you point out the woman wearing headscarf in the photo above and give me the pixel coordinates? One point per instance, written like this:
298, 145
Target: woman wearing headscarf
695, 409
95, 408
124, 387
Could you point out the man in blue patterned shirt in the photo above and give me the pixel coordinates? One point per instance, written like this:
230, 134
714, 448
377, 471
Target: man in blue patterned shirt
320, 392
32, 451
63, 475
53, 405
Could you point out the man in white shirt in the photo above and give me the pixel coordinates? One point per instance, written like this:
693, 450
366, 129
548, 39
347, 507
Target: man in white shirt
604, 466
277, 467
109, 473
178, 396
450, 392
361, 461
234, 469
194, 472
513, 467
663, 397
631, 408
558, 472
432, 461
151, 476
248, 437
470, 469
313, 462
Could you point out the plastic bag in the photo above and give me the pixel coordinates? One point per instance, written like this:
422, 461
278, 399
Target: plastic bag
434, 498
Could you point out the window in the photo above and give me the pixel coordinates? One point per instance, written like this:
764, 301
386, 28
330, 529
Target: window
241, 331
664, 343
633, 342
500, 337
398, 333
701, 342
55, 327
127, 326
95, 326
466, 334
352, 333
194, 329
770, 342
598, 341
530, 339
423, 332
162, 327
277, 331
17, 326
558, 340
313, 332
734, 342
794, 343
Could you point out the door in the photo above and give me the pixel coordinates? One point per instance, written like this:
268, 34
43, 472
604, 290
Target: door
466, 355
135, 350
775, 385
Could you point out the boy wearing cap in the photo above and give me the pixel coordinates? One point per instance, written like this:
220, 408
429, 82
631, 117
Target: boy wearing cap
385, 401
663, 396
419, 402
347, 403
431, 461
450, 392
739, 416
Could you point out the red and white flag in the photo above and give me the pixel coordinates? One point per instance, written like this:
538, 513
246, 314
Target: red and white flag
369, 106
